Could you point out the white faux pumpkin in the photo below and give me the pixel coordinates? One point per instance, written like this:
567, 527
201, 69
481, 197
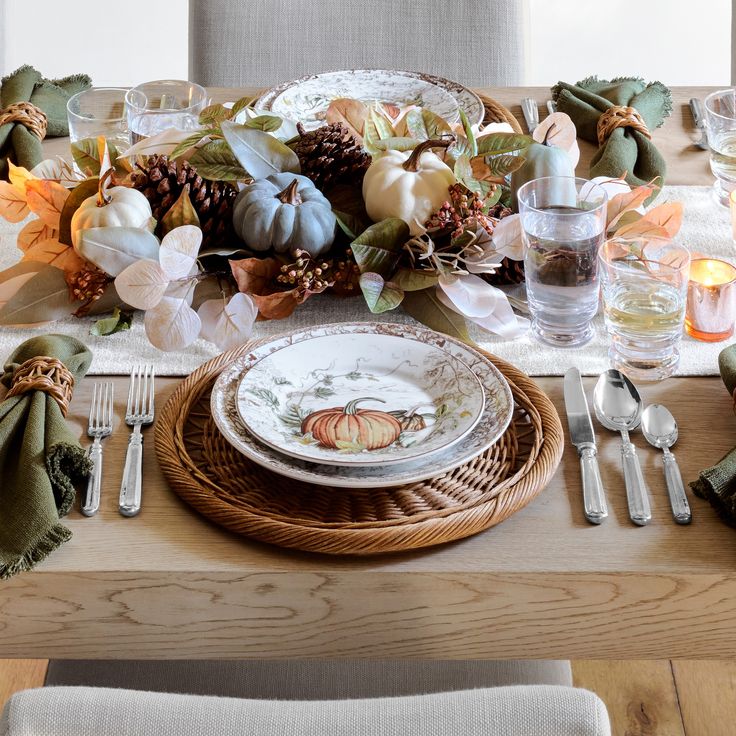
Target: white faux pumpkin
410, 185
116, 207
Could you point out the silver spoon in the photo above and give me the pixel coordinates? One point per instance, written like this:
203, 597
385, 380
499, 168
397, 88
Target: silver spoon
660, 430
618, 407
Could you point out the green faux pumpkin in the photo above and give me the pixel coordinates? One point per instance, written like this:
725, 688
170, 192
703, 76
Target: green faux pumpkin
541, 159
284, 212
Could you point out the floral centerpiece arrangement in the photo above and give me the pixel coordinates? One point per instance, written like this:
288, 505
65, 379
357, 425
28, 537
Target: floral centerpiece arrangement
252, 215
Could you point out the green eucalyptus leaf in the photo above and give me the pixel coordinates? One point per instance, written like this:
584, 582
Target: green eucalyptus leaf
214, 115
378, 248
215, 160
180, 213
118, 321
266, 123
113, 249
410, 280
83, 190
259, 153
502, 143
43, 298
429, 310
380, 296
426, 125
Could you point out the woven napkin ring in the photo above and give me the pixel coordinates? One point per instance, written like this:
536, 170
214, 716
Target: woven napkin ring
45, 374
26, 114
618, 116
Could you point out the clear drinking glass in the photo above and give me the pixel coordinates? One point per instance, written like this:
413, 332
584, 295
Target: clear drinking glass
99, 111
720, 125
563, 226
644, 297
166, 103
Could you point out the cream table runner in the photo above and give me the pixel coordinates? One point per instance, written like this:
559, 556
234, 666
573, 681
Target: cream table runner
706, 229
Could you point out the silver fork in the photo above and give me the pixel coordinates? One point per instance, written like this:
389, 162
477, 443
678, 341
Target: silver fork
99, 427
138, 413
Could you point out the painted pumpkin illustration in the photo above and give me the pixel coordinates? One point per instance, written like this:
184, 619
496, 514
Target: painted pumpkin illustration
369, 428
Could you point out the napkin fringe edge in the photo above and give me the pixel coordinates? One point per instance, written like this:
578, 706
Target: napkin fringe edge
50, 541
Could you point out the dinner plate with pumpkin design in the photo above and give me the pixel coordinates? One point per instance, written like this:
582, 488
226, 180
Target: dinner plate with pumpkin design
494, 420
360, 398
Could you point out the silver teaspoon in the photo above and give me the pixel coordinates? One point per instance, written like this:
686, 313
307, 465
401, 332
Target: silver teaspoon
618, 407
660, 429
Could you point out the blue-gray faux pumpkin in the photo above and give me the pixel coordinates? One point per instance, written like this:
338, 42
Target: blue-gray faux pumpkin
284, 212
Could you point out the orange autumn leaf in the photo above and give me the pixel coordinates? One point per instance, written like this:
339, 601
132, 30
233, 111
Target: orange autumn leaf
661, 222
34, 232
255, 275
351, 113
55, 254
278, 305
626, 202
46, 199
13, 205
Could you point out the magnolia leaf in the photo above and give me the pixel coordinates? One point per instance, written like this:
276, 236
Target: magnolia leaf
380, 296
472, 143
118, 321
255, 275
34, 232
172, 324
57, 254
179, 250
216, 161
187, 144
259, 153
43, 298
214, 115
86, 156
228, 324
382, 125
266, 123
426, 125
408, 279
14, 278
46, 199
495, 168
351, 113
378, 248
180, 213
57, 169
13, 205
502, 143
113, 249
429, 310
396, 143
84, 190
142, 284
241, 104
18, 176
162, 143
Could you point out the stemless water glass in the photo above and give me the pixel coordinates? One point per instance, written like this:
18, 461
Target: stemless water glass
563, 226
644, 297
166, 103
720, 125
99, 111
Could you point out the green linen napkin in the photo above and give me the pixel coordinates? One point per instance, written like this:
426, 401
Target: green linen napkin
717, 484
40, 459
626, 150
17, 143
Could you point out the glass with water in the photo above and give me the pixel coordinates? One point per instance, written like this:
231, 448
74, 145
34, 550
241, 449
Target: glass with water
563, 227
720, 124
99, 111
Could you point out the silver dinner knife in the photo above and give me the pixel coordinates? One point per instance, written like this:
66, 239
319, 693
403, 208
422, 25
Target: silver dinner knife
531, 113
582, 436
696, 108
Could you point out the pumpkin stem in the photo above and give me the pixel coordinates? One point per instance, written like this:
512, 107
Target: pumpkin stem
352, 406
103, 198
290, 195
552, 128
412, 163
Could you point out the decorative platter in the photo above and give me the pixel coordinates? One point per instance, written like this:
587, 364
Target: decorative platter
494, 420
307, 99
360, 399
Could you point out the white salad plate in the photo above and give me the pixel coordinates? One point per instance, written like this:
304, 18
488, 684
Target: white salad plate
359, 399
494, 420
306, 100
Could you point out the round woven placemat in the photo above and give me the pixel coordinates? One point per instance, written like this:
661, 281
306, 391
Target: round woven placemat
497, 113
240, 495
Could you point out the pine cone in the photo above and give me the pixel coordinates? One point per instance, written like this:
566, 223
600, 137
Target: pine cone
331, 155
162, 180
87, 286
510, 272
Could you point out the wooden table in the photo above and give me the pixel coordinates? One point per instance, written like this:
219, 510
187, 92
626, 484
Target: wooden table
545, 583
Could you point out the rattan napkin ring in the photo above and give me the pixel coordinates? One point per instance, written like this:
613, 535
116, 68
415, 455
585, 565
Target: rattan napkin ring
26, 113
45, 374
618, 116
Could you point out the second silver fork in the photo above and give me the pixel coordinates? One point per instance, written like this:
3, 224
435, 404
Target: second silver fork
139, 413
99, 427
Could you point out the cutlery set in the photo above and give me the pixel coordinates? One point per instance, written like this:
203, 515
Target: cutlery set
619, 408
139, 413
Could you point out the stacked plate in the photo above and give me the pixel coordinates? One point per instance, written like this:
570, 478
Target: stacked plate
307, 99
362, 405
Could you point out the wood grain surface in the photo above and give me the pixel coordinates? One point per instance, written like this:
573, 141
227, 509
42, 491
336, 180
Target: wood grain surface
707, 692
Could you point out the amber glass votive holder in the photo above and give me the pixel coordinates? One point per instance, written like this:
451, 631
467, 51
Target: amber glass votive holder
711, 300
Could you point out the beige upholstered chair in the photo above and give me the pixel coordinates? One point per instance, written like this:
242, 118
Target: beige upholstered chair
235, 43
